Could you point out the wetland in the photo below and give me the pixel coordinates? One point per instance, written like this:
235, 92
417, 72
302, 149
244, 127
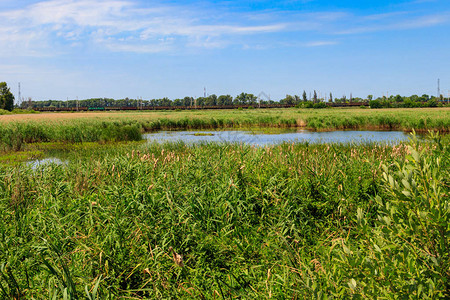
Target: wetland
122, 214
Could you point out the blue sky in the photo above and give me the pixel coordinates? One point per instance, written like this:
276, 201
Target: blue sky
59, 49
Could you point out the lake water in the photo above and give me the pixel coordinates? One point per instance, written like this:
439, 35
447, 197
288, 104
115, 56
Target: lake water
261, 138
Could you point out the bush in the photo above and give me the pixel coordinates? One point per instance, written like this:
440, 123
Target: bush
4, 112
308, 104
320, 105
23, 111
405, 251
375, 104
432, 103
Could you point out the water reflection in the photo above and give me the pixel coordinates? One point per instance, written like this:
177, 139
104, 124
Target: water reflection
261, 139
45, 161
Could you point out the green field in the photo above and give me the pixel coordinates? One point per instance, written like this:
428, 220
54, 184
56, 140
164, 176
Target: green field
134, 220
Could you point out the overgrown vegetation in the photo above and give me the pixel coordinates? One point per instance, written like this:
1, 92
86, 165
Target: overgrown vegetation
228, 221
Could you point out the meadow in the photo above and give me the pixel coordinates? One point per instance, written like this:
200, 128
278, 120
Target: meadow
141, 220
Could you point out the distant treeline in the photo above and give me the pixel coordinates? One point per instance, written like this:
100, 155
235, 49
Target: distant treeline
242, 99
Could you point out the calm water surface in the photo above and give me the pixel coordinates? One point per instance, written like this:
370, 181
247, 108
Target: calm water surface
261, 139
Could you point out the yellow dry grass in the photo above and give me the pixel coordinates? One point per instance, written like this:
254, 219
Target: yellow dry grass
300, 115
63, 116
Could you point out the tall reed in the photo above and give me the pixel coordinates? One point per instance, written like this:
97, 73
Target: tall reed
203, 221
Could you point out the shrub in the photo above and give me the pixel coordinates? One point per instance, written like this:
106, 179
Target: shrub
375, 104
4, 112
432, 103
319, 105
405, 251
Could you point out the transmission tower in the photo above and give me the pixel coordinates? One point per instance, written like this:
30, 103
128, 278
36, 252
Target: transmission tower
262, 94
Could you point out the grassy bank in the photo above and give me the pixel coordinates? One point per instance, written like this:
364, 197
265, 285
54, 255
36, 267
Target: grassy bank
16, 130
227, 221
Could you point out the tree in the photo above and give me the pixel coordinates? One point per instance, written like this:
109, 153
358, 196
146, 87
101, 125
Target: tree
331, 98
245, 99
304, 97
6, 97
424, 98
375, 104
225, 100
211, 100
315, 96
289, 100
188, 101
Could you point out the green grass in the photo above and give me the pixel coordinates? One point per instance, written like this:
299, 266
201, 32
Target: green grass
203, 134
19, 157
249, 222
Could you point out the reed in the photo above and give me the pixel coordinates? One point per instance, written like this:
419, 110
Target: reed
210, 220
13, 136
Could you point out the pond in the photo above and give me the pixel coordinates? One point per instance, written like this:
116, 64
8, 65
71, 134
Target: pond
261, 138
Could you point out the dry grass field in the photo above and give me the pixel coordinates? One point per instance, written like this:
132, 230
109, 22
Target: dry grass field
300, 115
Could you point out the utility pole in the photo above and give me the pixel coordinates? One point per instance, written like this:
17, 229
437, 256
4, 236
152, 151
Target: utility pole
18, 99
439, 90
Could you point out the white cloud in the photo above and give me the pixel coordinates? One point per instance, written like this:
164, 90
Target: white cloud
55, 26
320, 43
394, 23
114, 24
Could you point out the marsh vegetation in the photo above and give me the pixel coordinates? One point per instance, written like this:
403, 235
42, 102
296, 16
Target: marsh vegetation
297, 220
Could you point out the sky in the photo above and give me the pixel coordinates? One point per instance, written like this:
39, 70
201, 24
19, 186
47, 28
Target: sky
64, 49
